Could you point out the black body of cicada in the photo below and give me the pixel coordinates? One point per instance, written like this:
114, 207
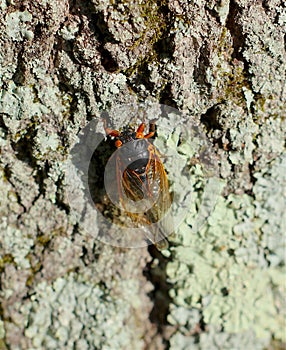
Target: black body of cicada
141, 178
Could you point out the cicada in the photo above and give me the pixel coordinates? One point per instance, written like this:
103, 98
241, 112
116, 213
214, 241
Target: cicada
141, 182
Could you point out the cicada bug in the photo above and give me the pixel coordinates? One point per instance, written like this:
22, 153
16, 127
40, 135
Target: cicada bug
142, 184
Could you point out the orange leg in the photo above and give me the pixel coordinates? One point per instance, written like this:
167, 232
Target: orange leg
109, 131
140, 131
150, 134
152, 131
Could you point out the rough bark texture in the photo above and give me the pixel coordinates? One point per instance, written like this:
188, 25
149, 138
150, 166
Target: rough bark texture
62, 63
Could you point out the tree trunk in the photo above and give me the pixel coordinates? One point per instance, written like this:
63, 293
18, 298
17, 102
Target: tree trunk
221, 67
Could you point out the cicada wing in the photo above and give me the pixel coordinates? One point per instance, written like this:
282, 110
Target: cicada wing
149, 192
135, 185
162, 245
155, 236
160, 213
133, 195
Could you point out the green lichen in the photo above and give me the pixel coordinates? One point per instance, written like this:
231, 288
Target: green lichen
76, 314
216, 340
16, 25
270, 206
232, 270
16, 245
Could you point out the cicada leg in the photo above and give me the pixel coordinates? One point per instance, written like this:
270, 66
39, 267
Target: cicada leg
152, 131
140, 132
113, 133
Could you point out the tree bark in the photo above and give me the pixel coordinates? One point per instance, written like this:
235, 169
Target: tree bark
222, 66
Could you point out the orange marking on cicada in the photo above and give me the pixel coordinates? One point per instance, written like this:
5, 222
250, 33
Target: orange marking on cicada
108, 131
149, 135
152, 131
140, 131
112, 133
118, 143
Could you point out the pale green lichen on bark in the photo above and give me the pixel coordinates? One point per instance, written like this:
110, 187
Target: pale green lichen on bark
72, 304
236, 278
16, 25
